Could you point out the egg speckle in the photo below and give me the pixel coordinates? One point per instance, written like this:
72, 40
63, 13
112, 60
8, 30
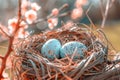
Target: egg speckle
70, 47
51, 49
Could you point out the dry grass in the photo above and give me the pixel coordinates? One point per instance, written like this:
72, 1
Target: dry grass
113, 34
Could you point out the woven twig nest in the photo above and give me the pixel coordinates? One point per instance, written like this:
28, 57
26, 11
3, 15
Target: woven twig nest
29, 64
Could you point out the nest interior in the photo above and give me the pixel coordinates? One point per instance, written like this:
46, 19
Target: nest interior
29, 64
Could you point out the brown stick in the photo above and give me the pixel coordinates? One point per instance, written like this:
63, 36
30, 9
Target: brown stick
3, 65
4, 31
50, 15
105, 14
11, 39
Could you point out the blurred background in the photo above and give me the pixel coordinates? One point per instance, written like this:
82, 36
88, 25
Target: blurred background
8, 10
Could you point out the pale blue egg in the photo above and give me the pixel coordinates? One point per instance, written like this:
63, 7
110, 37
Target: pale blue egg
51, 49
71, 47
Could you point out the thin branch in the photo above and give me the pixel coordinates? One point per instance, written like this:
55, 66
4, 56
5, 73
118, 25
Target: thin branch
19, 17
60, 9
63, 7
50, 15
101, 8
89, 17
3, 65
105, 14
1, 57
4, 31
11, 39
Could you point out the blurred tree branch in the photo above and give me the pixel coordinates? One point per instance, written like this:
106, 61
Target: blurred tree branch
11, 39
50, 15
3, 31
104, 14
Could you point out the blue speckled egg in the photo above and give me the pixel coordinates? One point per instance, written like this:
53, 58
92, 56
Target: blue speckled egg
70, 47
51, 49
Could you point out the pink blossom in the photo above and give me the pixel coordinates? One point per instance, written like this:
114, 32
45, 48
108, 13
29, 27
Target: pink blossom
12, 23
52, 22
25, 5
35, 6
22, 33
76, 13
23, 24
80, 3
55, 12
31, 16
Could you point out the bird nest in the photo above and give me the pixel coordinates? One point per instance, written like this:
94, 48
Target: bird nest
29, 64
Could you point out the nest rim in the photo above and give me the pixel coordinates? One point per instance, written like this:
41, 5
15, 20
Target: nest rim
58, 64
